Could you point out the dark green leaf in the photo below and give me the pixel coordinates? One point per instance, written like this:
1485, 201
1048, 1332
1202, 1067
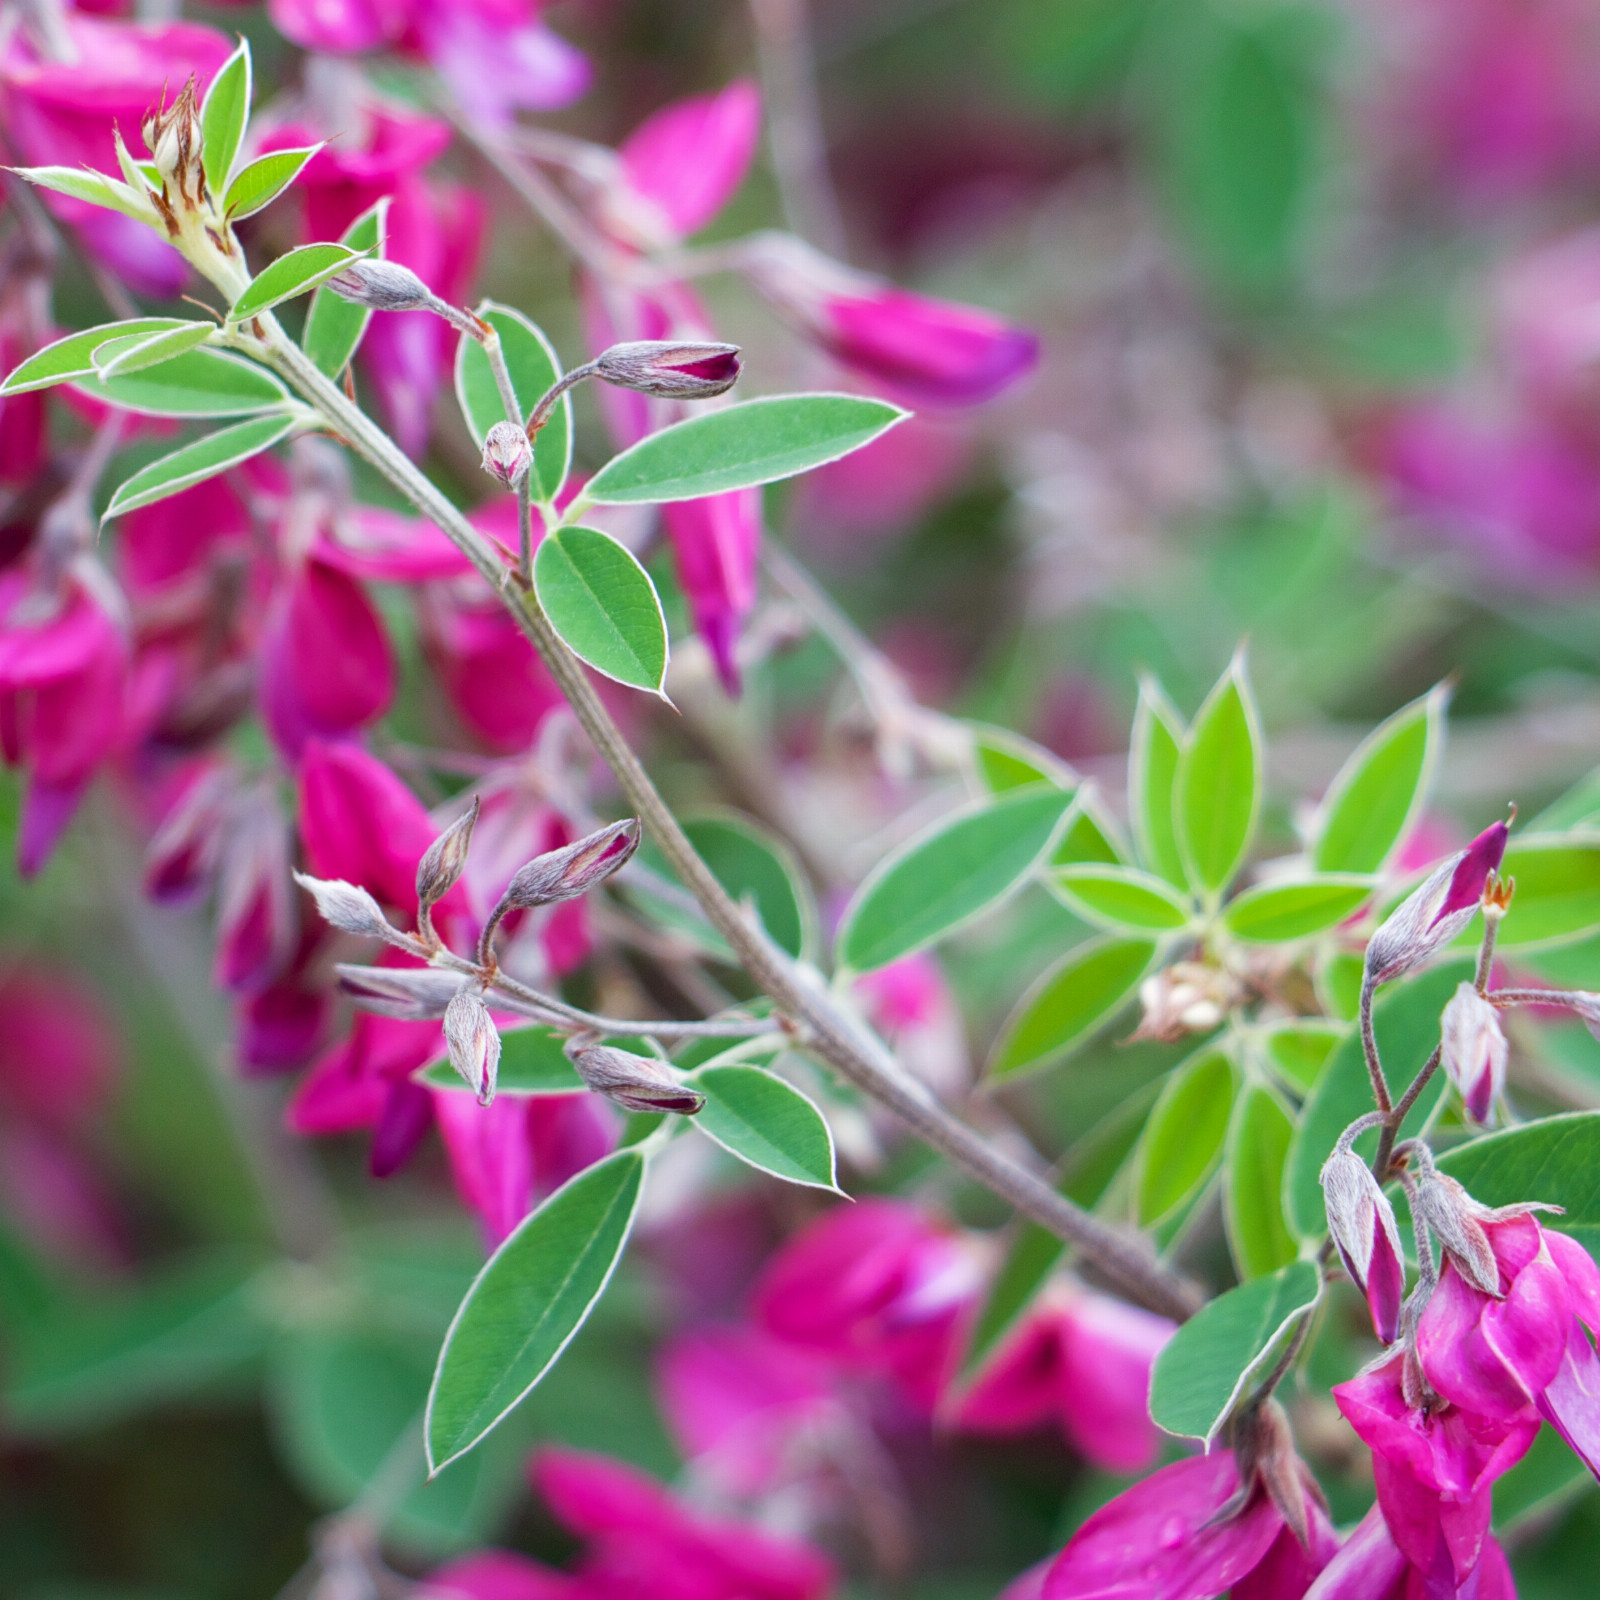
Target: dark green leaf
1219, 783
1544, 1481
751, 863
531, 361
603, 604
1252, 1186
1277, 913
766, 1122
334, 325
1184, 1137
1555, 1160
293, 274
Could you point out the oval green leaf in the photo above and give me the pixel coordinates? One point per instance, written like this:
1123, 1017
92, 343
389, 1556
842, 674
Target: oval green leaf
767, 1123
1380, 790
1558, 893
1202, 1373
1158, 735
1089, 838
532, 1061
133, 353
531, 361
196, 462
530, 1299
1556, 1160
95, 187
1276, 913
224, 114
334, 325
1219, 783
296, 273
604, 606
740, 446
1087, 987
260, 183
1299, 1051
1252, 1184
753, 864
947, 875
199, 383
1184, 1137
1119, 897
1003, 761
73, 356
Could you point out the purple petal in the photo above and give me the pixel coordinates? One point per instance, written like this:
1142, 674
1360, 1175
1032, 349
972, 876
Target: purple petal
1478, 860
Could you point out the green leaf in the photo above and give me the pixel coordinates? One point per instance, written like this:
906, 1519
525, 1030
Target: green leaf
1252, 1185
1219, 782
1406, 1022
93, 1360
1338, 982
1300, 1050
83, 183
766, 1122
603, 604
73, 356
1119, 897
334, 325
1276, 913
1158, 735
530, 1299
1548, 1478
1088, 986
947, 875
1579, 807
223, 116
1558, 893
751, 863
132, 353
260, 183
739, 446
293, 274
1379, 792
1202, 1373
1184, 1137
196, 462
1003, 760
1088, 838
1556, 1160
531, 361
532, 1061
199, 383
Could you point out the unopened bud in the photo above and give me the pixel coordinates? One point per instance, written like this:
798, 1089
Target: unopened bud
473, 1041
346, 906
574, 869
636, 1083
1187, 997
1364, 1231
507, 454
408, 994
671, 369
382, 285
1456, 1220
172, 135
1473, 1049
446, 858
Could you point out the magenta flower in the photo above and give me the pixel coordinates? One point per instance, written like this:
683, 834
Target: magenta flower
490, 1158
1473, 1051
497, 58
715, 545
256, 928
497, 1575
1364, 1231
340, 27
1370, 1566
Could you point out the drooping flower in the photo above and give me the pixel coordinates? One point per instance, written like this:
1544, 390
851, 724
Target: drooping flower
1473, 1051
1362, 1224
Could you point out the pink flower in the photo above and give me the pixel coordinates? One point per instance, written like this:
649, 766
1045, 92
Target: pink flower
497, 58
340, 27
256, 926
1370, 1566
1547, 322
59, 1054
498, 1575
490, 1158
715, 544
170, 544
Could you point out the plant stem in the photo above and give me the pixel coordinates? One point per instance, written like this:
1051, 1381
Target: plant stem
1391, 1122
1126, 1262
1369, 1043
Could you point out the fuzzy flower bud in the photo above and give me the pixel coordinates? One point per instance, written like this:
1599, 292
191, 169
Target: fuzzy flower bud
507, 454
1362, 1223
473, 1041
1456, 1221
382, 285
346, 906
1187, 997
1436, 911
1473, 1050
636, 1083
574, 869
671, 369
172, 135
446, 858
408, 994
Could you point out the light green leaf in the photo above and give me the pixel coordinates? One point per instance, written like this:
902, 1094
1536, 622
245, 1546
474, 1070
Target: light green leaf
603, 604
1120, 897
1380, 791
1087, 987
1579, 807
532, 1061
1558, 893
134, 352
1158, 735
1276, 913
1219, 782
196, 462
1089, 839
766, 1122
531, 360
1202, 1373
260, 183
740, 446
1003, 760
334, 325
1252, 1187
72, 357
293, 274
1184, 1137
1555, 1160
947, 875
199, 383
83, 183
530, 1299
1300, 1050
224, 114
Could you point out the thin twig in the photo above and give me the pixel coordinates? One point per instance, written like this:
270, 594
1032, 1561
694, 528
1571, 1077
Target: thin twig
1369, 1044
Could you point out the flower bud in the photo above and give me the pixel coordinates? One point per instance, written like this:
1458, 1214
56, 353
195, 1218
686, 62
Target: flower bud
172, 135
1187, 997
1456, 1221
671, 369
473, 1041
1473, 1050
1362, 1224
1436, 911
574, 869
507, 454
446, 858
636, 1083
347, 907
382, 285
408, 994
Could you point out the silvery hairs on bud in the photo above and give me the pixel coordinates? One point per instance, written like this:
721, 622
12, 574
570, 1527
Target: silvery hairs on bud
346, 906
574, 869
446, 858
636, 1083
671, 369
409, 994
507, 454
382, 285
1473, 1048
1358, 1210
1454, 1218
473, 1040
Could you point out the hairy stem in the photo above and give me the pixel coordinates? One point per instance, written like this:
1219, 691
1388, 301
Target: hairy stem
1369, 1043
1392, 1121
